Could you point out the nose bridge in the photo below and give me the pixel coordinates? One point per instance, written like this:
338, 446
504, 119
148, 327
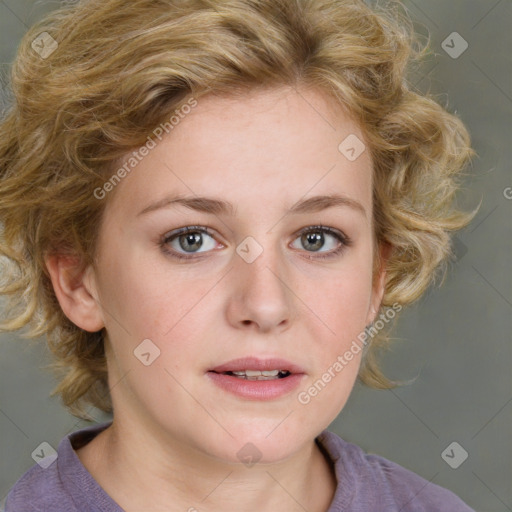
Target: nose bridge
260, 261
261, 281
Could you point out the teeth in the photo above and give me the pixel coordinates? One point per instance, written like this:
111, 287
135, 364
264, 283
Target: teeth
259, 375
253, 373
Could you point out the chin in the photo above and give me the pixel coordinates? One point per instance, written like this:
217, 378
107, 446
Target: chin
262, 441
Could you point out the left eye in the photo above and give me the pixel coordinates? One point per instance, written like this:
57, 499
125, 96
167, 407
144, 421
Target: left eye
313, 238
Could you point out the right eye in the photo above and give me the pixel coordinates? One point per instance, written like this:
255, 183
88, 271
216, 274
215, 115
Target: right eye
189, 240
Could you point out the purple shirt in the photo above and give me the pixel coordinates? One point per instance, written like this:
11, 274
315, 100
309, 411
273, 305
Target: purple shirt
365, 483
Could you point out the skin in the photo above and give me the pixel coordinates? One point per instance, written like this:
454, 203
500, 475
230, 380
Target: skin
175, 435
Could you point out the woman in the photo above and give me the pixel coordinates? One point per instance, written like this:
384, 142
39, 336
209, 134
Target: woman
210, 205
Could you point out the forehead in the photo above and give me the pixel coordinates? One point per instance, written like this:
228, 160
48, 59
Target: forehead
266, 146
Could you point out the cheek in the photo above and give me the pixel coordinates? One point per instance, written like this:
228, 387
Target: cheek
172, 311
344, 300
343, 308
145, 302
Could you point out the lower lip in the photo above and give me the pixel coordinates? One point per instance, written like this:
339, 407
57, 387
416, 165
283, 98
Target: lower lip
257, 389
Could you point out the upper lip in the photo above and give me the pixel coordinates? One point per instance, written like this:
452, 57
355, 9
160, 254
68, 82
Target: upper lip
255, 363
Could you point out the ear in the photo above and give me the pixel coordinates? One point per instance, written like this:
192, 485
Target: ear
379, 282
75, 289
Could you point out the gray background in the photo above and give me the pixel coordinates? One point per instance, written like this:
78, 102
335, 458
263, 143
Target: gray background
456, 339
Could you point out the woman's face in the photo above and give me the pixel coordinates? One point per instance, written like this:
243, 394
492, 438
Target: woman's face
255, 285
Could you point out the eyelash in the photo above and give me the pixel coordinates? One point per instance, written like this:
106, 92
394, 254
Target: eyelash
341, 237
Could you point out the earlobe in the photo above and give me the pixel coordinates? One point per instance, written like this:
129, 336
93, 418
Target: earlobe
75, 290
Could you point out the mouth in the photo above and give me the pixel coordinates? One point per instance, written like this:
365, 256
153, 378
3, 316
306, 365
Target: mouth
252, 378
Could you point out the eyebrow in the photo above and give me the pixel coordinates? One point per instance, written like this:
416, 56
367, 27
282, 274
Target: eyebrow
219, 207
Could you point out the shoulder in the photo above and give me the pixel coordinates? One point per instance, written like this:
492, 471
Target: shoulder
379, 480
38, 489
60, 482
413, 491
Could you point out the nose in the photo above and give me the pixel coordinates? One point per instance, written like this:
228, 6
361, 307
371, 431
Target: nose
261, 296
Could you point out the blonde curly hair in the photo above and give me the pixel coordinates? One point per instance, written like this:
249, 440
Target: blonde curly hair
114, 70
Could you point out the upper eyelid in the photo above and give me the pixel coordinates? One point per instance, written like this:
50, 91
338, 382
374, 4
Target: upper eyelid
187, 229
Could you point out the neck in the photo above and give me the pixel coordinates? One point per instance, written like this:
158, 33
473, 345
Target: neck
141, 475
